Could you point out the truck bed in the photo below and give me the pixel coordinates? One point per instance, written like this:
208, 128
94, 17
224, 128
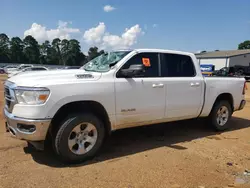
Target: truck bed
214, 86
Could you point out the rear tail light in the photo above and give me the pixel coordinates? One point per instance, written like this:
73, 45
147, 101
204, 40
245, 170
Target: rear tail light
244, 88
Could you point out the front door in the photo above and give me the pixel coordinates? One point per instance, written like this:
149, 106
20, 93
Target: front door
140, 99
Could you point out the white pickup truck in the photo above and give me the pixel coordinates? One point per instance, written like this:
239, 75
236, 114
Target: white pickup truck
76, 109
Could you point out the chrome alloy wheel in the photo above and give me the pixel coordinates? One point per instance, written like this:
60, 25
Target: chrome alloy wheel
82, 138
222, 115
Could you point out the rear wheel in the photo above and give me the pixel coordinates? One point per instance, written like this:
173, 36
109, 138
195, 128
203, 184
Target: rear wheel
79, 138
220, 115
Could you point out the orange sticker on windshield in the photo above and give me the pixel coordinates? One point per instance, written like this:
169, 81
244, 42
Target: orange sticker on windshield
146, 62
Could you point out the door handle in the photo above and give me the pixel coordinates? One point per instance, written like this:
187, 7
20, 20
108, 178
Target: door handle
197, 84
158, 85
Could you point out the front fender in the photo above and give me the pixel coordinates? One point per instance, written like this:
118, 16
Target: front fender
70, 99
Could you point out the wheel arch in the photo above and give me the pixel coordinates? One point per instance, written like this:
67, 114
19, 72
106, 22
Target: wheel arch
89, 106
224, 96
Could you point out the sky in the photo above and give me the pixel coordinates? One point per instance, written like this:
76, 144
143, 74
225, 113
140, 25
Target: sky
191, 26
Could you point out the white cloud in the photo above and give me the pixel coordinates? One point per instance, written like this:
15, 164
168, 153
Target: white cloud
41, 33
95, 34
108, 8
99, 36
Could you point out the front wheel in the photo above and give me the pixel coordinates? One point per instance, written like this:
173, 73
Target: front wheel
79, 138
220, 115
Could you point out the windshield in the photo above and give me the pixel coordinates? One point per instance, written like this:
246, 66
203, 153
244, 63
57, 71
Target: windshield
104, 62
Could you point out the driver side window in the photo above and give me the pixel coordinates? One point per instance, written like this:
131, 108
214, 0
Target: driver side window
152, 68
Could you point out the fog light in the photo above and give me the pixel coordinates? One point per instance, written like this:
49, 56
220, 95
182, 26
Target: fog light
26, 128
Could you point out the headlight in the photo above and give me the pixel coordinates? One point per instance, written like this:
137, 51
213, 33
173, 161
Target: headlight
31, 96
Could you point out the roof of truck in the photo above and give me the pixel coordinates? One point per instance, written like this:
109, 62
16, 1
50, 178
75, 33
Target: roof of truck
162, 51
221, 54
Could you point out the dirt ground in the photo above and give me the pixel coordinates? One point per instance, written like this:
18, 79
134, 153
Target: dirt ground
183, 154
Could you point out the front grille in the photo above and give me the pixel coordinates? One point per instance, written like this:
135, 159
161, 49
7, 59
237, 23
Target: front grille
8, 103
9, 100
7, 91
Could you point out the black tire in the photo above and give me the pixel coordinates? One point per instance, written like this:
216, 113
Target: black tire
213, 115
61, 139
240, 72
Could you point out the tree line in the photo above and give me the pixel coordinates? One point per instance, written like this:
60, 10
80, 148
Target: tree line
244, 45
58, 52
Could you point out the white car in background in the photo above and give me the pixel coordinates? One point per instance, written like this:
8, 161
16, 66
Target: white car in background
28, 69
9, 67
17, 68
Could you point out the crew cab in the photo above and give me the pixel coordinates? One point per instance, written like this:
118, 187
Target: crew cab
77, 109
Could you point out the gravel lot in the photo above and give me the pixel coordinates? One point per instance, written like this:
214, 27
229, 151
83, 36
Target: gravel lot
183, 154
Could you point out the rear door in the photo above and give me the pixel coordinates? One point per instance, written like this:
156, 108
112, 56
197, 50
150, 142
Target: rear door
184, 88
141, 98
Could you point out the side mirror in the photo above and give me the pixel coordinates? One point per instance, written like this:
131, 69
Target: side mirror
133, 70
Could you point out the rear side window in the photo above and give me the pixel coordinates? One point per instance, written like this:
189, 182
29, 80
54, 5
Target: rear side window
175, 65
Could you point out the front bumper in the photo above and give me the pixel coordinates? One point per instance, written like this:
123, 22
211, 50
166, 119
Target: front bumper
37, 134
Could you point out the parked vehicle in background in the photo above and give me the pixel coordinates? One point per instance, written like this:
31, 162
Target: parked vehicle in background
9, 67
28, 69
18, 68
77, 109
72, 67
230, 71
225, 71
243, 71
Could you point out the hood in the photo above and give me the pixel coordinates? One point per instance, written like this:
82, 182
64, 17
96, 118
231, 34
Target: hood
51, 77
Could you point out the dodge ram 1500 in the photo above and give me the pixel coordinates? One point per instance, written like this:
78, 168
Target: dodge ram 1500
76, 109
